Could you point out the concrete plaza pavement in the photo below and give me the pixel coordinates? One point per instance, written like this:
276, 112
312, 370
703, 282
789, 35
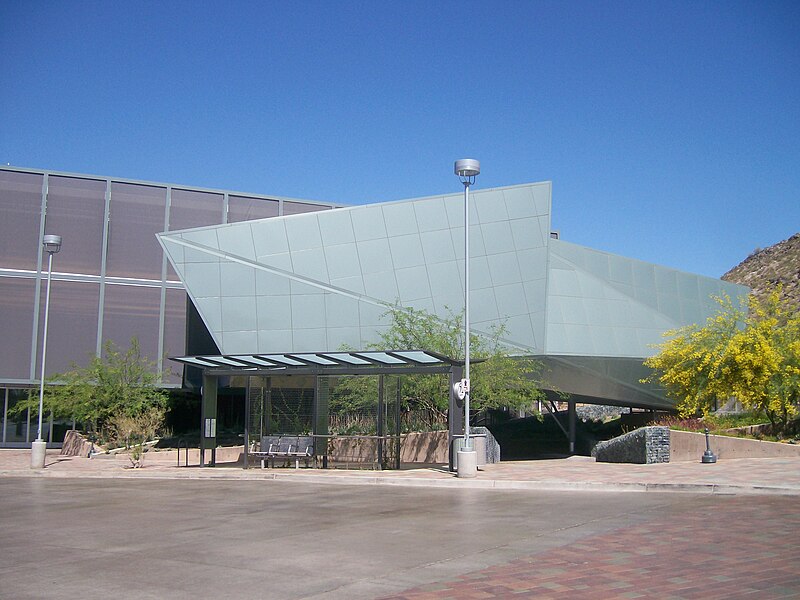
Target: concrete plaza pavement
65, 537
729, 476
560, 528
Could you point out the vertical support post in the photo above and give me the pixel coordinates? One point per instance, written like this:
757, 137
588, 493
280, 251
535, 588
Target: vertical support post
266, 427
571, 417
208, 419
5, 414
247, 401
455, 415
321, 417
397, 428
379, 429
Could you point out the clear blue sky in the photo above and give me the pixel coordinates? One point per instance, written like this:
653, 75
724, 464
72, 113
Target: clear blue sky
670, 130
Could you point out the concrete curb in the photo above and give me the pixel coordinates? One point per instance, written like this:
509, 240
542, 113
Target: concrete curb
454, 482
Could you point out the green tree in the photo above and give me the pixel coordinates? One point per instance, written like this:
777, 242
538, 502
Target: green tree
752, 355
118, 384
498, 378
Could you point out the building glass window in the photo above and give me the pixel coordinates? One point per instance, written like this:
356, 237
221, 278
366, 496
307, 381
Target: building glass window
136, 215
130, 311
72, 328
295, 208
194, 209
174, 332
19, 428
21, 206
241, 208
76, 211
16, 323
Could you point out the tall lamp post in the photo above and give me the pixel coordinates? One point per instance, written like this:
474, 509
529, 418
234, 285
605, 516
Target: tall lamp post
467, 169
52, 244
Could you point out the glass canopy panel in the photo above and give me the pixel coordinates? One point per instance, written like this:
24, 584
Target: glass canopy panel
222, 361
347, 358
418, 356
196, 361
21, 206
382, 357
315, 358
254, 360
283, 360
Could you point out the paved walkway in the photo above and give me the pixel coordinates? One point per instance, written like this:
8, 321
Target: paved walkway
731, 476
736, 548
734, 537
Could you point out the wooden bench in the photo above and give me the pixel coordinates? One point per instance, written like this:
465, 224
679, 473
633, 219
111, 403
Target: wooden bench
297, 447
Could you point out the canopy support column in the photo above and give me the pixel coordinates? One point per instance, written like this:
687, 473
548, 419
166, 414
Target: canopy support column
571, 418
381, 418
455, 414
208, 419
247, 425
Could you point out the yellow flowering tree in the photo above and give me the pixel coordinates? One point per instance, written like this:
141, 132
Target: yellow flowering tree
763, 363
751, 355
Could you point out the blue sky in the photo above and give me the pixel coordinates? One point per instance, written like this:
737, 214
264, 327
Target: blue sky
670, 131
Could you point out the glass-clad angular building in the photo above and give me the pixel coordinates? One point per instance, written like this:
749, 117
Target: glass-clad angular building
269, 274
324, 280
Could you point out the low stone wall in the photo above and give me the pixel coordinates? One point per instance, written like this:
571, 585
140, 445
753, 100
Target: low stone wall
689, 446
353, 450
426, 447
647, 445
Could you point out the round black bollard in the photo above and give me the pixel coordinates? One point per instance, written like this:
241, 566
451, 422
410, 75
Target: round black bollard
708, 456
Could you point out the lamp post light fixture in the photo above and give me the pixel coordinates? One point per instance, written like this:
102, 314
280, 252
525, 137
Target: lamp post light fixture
52, 244
467, 169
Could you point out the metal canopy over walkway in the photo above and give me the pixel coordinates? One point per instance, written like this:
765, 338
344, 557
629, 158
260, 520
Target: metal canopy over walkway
262, 370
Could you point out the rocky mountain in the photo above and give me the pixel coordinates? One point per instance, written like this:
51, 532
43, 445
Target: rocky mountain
766, 267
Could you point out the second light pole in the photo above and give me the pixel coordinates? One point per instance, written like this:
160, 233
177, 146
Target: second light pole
52, 245
467, 169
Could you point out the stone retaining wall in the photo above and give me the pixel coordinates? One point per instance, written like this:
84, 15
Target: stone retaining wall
647, 445
492, 447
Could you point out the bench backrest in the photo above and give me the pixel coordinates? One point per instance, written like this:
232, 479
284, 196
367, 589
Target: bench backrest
288, 443
268, 441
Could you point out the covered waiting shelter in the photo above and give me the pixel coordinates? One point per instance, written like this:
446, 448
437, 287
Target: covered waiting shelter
321, 366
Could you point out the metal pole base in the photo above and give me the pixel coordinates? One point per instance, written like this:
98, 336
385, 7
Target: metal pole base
467, 463
38, 451
708, 457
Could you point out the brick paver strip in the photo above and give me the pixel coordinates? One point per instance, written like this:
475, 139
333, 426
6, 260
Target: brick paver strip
727, 547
